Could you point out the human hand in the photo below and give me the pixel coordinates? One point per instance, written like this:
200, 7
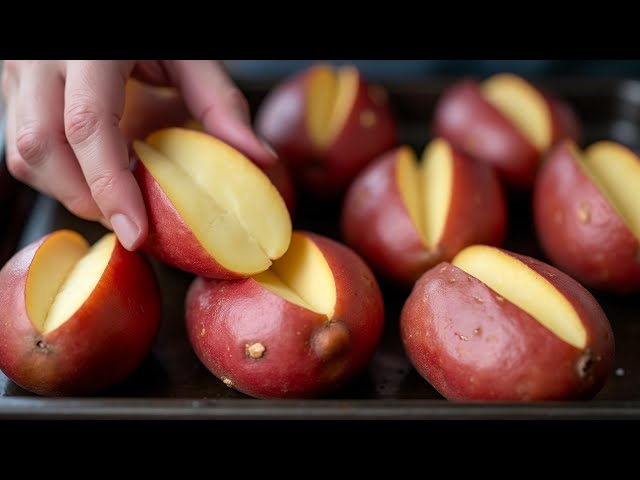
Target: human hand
64, 136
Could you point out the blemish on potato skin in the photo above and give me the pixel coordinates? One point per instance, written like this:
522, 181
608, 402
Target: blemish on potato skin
462, 337
227, 381
499, 298
255, 350
585, 364
367, 280
452, 280
477, 331
330, 340
203, 332
368, 118
584, 213
478, 299
470, 144
42, 347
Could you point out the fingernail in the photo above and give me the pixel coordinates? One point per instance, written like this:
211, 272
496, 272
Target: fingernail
127, 231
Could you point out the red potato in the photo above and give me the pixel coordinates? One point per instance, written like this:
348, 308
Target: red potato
326, 125
587, 214
403, 218
299, 330
506, 122
497, 326
76, 320
211, 211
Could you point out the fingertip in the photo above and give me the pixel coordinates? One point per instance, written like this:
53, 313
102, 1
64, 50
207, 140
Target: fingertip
126, 215
239, 135
130, 234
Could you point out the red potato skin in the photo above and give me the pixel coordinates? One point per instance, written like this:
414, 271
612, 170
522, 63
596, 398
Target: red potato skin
325, 171
376, 222
467, 120
579, 230
170, 238
223, 317
471, 344
99, 346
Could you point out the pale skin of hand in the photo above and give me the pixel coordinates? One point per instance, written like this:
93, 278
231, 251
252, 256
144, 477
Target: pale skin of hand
64, 137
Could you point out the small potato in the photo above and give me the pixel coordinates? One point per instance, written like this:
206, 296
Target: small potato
504, 121
405, 216
76, 319
327, 124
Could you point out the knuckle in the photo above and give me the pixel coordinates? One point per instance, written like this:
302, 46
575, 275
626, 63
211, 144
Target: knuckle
80, 122
81, 206
31, 140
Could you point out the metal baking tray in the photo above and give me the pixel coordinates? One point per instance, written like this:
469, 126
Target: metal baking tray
172, 383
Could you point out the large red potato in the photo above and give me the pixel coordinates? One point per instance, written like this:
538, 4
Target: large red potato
587, 214
301, 329
212, 212
326, 125
403, 217
75, 319
504, 121
494, 325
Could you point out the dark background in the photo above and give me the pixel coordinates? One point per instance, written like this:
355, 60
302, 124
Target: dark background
394, 69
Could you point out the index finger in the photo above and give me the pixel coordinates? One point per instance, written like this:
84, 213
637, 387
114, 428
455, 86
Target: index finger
221, 107
94, 103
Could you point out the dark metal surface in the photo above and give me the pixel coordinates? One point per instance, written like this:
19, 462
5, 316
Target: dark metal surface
173, 384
